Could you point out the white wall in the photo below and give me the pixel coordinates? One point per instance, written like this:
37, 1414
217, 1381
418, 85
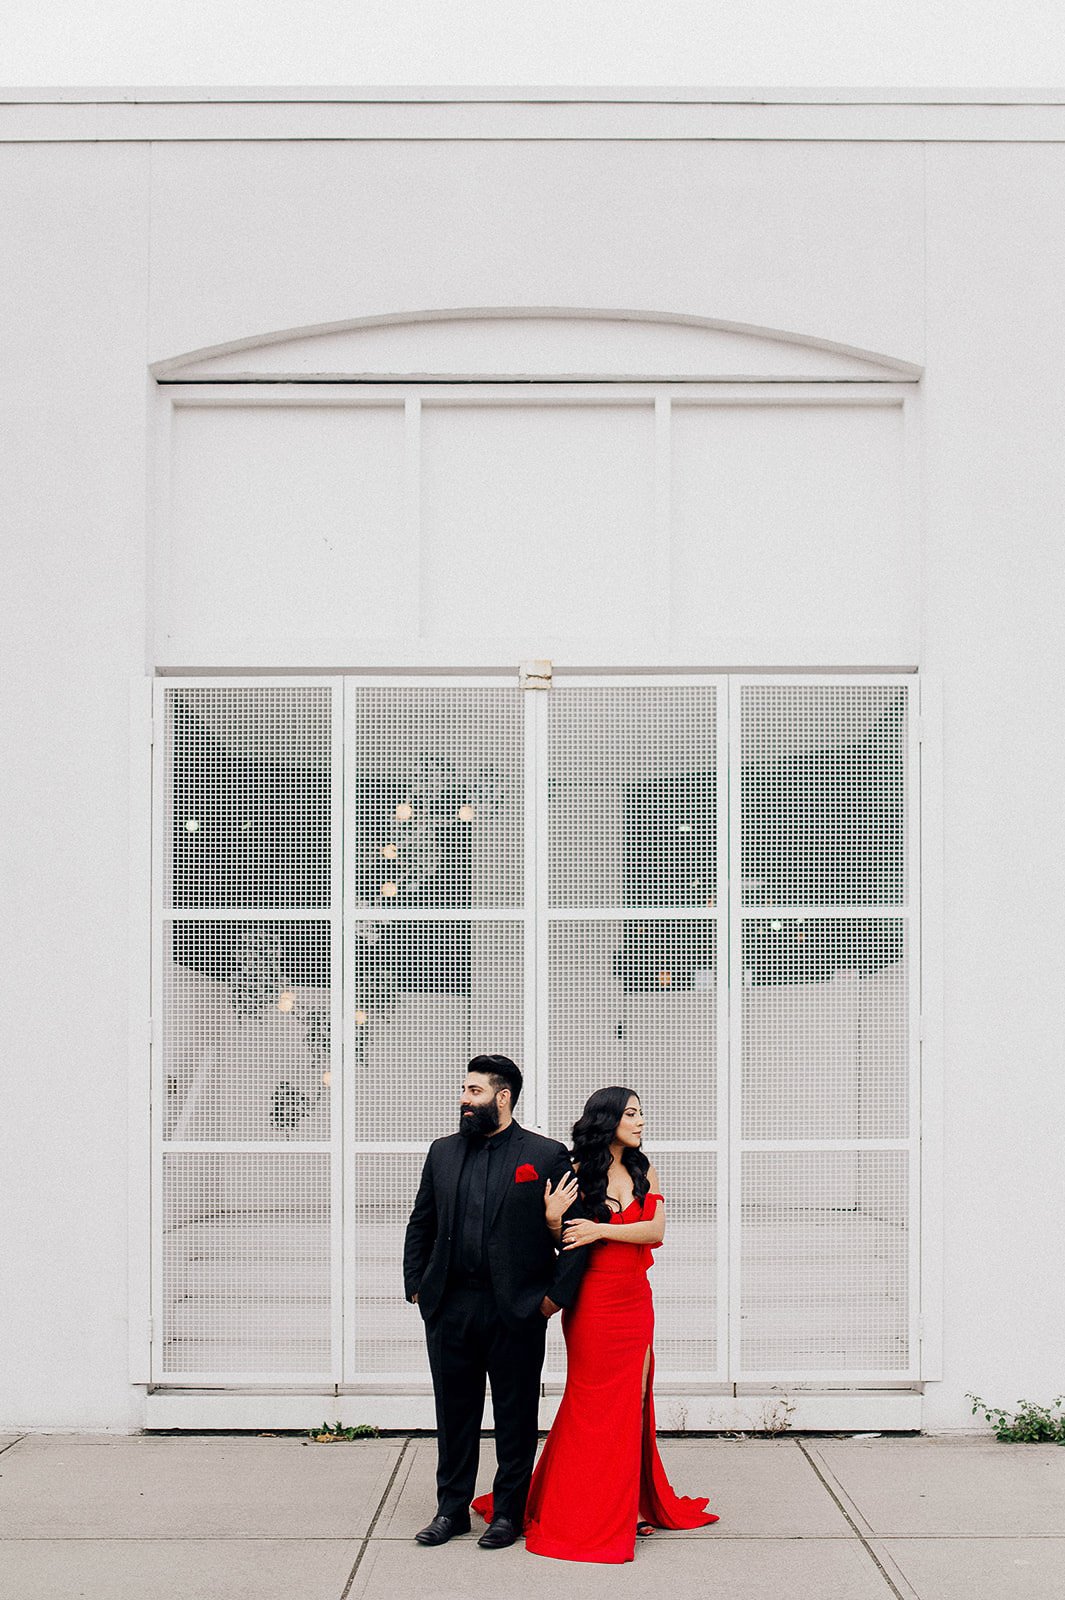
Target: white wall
73, 403
828, 240
319, 527
824, 239
994, 601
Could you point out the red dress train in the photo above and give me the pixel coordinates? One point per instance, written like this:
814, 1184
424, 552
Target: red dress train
600, 1472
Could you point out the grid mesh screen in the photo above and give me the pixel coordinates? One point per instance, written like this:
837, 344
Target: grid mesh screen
824, 1261
684, 1276
246, 1036
249, 798
426, 997
434, 821
634, 1002
825, 1025
632, 796
823, 794
389, 1335
435, 825
246, 1251
435, 805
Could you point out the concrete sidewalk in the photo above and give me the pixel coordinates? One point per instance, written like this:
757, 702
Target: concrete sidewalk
814, 1518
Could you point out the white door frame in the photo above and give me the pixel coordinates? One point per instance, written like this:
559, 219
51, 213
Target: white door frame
925, 1044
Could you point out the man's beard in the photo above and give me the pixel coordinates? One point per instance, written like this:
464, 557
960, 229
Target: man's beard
477, 1122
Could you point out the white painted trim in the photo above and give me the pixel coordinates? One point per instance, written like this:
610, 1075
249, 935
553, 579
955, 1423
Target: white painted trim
547, 389
536, 715
157, 902
913, 894
160, 443
529, 94
428, 345
529, 115
854, 1146
722, 1125
139, 1076
568, 679
932, 1041
829, 1411
616, 913
412, 555
435, 914
244, 1147
338, 1276
484, 659
538, 894
348, 1148
733, 1064
658, 582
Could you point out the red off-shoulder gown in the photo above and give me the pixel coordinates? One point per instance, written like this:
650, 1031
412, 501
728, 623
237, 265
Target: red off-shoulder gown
600, 1472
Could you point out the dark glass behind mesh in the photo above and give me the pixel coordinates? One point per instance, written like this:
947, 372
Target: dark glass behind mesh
827, 826
263, 835
371, 822
814, 949
663, 864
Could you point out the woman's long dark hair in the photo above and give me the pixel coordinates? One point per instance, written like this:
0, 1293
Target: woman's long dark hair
592, 1133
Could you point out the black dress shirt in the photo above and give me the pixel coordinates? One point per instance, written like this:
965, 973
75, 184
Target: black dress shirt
477, 1182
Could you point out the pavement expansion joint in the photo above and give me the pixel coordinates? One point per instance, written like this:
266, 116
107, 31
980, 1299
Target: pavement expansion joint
832, 1488
365, 1545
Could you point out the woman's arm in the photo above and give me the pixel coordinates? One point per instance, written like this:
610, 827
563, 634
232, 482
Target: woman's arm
649, 1230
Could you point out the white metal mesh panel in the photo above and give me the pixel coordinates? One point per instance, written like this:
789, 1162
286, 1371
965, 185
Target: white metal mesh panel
435, 838
425, 998
825, 1028
634, 1002
632, 796
246, 1035
823, 794
388, 1333
825, 1235
825, 1261
246, 1263
435, 804
246, 1030
684, 1276
439, 959
249, 797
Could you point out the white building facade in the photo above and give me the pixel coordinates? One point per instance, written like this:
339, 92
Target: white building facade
570, 574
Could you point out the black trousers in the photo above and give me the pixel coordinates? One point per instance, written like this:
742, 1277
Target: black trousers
468, 1343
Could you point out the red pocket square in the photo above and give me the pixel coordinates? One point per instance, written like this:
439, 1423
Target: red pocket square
526, 1174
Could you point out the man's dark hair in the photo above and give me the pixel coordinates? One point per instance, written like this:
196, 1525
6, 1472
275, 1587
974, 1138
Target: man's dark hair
501, 1072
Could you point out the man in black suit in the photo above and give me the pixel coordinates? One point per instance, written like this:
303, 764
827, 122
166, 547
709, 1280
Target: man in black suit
480, 1263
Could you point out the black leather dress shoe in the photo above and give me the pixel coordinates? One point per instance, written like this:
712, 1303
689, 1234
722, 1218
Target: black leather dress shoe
441, 1529
499, 1533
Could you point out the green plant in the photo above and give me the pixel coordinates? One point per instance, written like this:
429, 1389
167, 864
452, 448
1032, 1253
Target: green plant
1031, 1424
329, 1434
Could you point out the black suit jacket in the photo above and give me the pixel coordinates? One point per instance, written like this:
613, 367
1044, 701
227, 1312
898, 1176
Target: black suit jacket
521, 1252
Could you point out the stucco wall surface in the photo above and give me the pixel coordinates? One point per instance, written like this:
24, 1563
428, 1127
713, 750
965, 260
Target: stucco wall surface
118, 255
73, 392
825, 239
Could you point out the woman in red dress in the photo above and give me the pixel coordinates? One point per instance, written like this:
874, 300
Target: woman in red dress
600, 1480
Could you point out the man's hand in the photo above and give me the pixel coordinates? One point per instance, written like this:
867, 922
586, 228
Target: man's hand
548, 1306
